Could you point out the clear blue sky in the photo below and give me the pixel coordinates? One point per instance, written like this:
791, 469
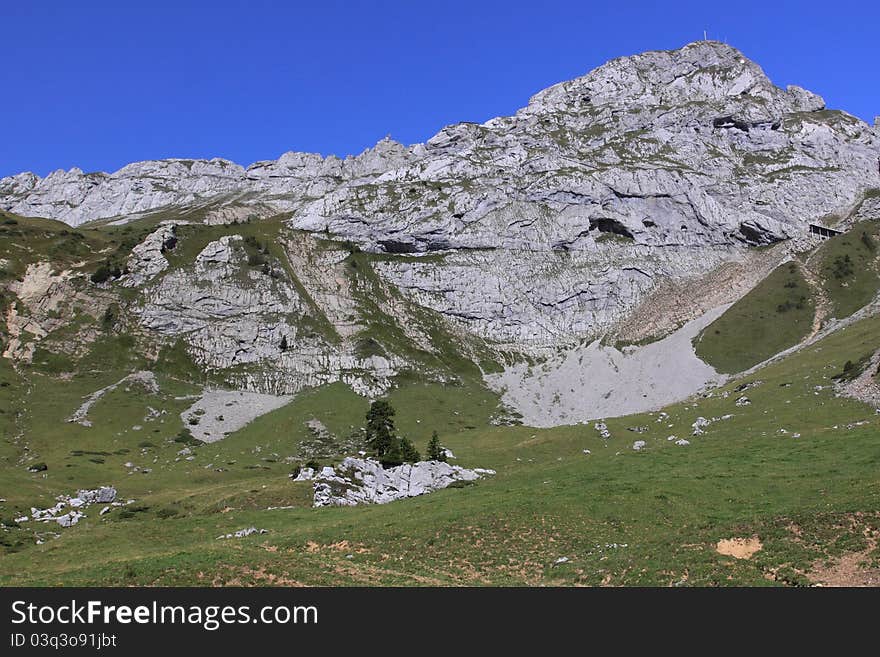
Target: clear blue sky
101, 84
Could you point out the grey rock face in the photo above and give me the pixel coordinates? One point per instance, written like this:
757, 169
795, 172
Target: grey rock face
694, 146
219, 299
236, 318
69, 519
528, 298
76, 197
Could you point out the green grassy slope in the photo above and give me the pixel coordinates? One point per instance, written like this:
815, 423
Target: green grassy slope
619, 516
849, 267
773, 316
24, 240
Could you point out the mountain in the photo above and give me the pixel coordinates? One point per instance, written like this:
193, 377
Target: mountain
623, 206
640, 316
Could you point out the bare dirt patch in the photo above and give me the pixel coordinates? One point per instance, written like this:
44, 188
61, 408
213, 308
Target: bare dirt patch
851, 569
846, 571
739, 548
247, 576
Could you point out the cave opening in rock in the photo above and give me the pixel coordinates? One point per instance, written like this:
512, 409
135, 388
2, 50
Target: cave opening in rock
610, 226
393, 246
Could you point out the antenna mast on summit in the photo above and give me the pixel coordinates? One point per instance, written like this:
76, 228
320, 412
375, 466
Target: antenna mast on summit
705, 36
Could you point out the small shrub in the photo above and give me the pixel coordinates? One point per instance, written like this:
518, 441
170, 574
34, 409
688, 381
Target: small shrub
435, 450
852, 370
105, 272
100, 275
185, 437
842, 267
108, 319
132, 510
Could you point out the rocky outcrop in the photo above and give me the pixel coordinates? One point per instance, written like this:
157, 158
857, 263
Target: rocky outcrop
48, 300
147, 259
69, 509
221, 300
253, 323
243, 533
364, 481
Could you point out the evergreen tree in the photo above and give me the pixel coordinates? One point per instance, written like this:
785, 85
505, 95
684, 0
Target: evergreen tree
380, 427
382, 439
435, 450
393, 455
400, 451
283, 345
408, 451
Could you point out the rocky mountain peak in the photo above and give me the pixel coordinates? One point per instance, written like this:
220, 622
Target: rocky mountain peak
696, 139
700, 72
